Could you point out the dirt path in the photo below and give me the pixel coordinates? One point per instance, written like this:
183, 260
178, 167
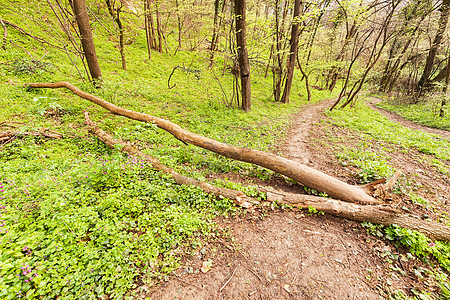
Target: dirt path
296, 144
293, 254
399, 119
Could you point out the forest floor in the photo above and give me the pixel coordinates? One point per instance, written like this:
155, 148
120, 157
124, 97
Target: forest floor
292, 254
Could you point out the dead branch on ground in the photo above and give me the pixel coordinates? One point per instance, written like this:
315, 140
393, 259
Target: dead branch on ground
9, 136
238, 197
301, 173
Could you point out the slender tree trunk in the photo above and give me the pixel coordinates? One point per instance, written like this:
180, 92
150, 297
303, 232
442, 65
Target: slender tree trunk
215, 31
148, 27
87, 41
442, 25
293, 52
158, 28
244, 66
179, 23
447, 82
115, 14
277, 68
308, 90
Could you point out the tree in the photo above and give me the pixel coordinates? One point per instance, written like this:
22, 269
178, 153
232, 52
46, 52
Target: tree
115, 14
87, 41
293, 52
219, 9
447, 82
413, 14
442, 25
244, 66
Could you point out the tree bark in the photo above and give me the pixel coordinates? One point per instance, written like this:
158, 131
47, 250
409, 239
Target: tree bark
238, 197
292, 53
444, 96
148, 27
442, 25
301, 173
244, 66
377, 214
87, 41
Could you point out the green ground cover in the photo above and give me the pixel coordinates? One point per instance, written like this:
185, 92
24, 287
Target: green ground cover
425, 113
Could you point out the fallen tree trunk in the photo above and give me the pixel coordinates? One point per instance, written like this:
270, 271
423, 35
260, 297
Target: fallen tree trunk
301, 173
377, 214
238, 197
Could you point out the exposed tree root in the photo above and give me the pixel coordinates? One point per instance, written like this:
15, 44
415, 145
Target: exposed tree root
238, 197
301, 173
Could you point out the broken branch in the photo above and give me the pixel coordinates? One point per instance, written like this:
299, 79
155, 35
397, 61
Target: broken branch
238, 197
294, 170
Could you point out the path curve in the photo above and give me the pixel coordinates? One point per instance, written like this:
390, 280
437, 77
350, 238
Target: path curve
399, 119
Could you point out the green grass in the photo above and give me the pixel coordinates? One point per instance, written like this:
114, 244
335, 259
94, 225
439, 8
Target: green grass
80, 220
425, 113
364, 119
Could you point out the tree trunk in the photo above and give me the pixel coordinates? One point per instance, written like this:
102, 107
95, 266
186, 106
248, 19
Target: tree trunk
244, 66
87, 41
377, 214
293, 52
308, 90
158, 28
442, 25
115, 14
148, 27
301, 173
444, 96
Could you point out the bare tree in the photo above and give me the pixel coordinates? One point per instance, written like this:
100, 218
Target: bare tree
442, 25
115, 14
447, 82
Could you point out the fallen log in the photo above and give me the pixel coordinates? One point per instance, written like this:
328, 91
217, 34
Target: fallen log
301, 173
238, 197
377, 214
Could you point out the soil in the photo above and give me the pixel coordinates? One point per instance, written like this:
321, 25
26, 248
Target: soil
277, 253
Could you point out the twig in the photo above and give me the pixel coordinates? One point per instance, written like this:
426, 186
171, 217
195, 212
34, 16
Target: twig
223, 286
178, 278
170, 76
39, 39
13, 122
263, 280
5, 34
